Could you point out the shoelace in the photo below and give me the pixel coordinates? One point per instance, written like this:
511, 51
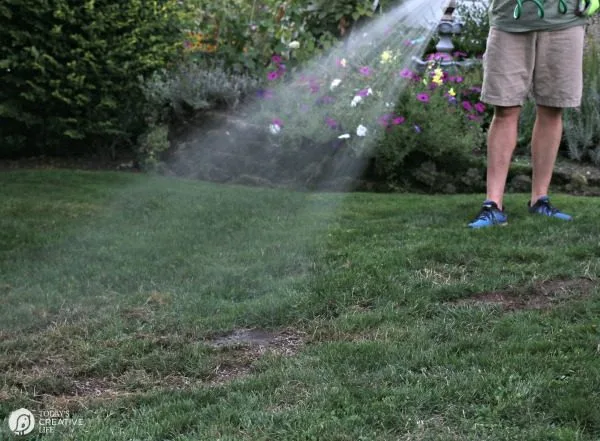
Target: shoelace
487, 212
547, 208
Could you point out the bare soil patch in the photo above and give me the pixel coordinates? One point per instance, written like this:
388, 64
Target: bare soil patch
540, 295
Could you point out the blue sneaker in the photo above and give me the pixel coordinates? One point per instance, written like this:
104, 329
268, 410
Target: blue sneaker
544, 207
489, 215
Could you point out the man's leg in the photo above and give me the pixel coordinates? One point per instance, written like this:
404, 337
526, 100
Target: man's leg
502, 140
545, 141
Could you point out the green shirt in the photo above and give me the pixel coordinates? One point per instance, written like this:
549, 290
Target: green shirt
502, 16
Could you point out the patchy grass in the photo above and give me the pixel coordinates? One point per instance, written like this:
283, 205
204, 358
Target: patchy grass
161, 309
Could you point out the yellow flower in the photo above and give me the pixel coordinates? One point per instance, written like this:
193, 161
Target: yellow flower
451, 92
437, 80
386, 56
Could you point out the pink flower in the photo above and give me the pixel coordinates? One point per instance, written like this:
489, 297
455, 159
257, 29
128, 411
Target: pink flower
480, 107
423, 97
363, 93
365, 70
406, 73
332, 123
384, 120
276, 59
273, 75
398, 120
277, 122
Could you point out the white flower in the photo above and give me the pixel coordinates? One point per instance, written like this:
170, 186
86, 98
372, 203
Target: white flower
335, 83
361, 130
369, 91
294, 45
275, 129
357, 99
344, 136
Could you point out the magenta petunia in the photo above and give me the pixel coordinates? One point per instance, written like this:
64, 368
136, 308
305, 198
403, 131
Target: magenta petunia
423, 97
480, 107
276, 59
406, 73
365, 70
467, 106
398, 120
273, 75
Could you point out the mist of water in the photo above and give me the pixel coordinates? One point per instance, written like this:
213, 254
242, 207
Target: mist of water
319, 123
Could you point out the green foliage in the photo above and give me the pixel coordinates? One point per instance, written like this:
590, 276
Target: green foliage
69, 70
244, 35
582, 125
434, 147
473, 37
150, 145
193, 86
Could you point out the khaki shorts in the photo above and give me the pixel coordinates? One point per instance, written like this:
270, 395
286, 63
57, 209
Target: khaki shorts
545, 64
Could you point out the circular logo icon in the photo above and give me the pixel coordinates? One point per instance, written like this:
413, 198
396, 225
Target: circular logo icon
21, 422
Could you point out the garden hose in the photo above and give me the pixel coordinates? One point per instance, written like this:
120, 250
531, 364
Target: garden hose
519, 8
588, 7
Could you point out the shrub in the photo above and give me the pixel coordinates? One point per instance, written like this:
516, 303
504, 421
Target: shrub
582, 125
69, 70
193, 86
441, 131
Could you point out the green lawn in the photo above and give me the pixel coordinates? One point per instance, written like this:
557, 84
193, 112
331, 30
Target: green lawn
380, 317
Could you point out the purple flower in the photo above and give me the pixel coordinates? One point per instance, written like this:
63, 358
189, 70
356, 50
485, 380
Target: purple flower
314, 88
398, 120
423, 97
384, 120
276, 59
332, 123
458, 79
473, 117
459, 54
439, 56
277, 122
265, 94
363, 93
417, 128
273, 75
475, 89
467, 106
480, 107
406, 73
365, 70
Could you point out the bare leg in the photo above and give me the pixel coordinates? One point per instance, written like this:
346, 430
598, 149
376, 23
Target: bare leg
502, 140
545, 141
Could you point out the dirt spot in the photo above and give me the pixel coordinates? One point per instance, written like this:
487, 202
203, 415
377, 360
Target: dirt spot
55, 382
540, 295
243, 347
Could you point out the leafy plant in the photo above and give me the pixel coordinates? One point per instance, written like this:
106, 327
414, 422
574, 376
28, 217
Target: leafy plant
69, 70
582, 125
